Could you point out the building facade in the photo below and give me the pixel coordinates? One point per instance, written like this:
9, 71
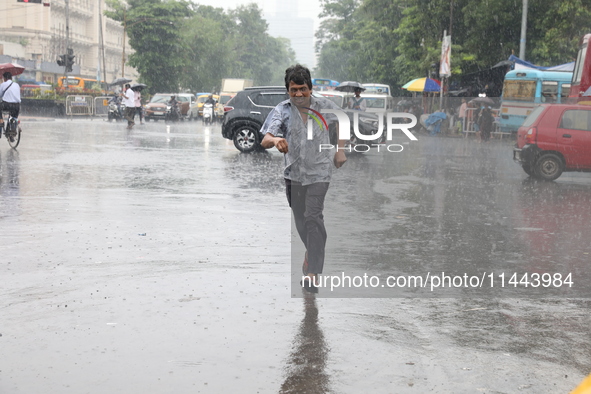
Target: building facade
34, 35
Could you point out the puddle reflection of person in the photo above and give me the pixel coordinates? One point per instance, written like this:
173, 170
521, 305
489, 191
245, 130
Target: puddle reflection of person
307, 363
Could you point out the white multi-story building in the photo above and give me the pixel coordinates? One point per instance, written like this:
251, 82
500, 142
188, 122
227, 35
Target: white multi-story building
34, 35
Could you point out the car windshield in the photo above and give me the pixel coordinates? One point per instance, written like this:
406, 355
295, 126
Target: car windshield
225, 99
338, 100
375, 102
531, 118
159, 98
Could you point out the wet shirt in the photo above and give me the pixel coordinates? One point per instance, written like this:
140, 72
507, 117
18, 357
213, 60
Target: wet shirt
357, 104
304, 162
10, 92
129, 99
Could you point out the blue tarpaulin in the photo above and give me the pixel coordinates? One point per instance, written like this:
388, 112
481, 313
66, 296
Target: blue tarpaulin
433, 122
562, 67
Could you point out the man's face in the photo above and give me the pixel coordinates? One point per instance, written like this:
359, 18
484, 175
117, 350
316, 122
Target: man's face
299, 94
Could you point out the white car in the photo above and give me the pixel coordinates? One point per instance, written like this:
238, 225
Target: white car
339, 98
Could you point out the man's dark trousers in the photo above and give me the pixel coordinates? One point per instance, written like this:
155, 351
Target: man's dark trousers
307, 204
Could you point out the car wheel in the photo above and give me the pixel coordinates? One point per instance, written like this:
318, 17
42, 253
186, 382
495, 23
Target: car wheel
245, 138
548, 167
528, 169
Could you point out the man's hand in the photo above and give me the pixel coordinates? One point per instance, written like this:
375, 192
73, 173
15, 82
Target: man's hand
280, 144
339, 159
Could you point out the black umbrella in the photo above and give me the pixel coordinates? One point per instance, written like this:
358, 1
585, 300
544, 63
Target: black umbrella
349, 86
120, 81
482, 100
138, 86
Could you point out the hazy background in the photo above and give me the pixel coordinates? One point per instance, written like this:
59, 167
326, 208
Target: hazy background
296, 20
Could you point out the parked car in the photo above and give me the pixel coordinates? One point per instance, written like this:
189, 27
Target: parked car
156, 108
554, 138
247, 111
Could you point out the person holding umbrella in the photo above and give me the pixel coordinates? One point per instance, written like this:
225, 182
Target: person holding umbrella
485, 123
137, 91
10, 94
357, 102
129, 101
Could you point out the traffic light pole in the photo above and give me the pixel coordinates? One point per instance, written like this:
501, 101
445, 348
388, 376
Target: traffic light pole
67, 42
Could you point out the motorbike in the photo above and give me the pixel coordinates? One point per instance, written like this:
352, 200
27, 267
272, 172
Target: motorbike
173, 113
115, 112
208, 113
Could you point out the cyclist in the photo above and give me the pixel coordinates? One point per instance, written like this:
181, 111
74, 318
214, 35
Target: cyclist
10, 94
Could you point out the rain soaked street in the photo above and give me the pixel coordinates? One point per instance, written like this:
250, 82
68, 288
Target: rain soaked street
157, 260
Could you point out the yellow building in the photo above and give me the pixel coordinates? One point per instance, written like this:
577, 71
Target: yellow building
34, 35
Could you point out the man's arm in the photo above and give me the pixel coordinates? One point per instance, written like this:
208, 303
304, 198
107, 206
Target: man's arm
269, 141
270, 129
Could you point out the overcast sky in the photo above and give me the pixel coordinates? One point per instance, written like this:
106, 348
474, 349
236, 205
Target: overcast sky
306, 8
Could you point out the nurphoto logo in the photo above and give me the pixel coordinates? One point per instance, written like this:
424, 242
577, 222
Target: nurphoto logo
376, 135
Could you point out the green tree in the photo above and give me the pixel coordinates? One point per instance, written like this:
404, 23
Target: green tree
154, 29
210, 53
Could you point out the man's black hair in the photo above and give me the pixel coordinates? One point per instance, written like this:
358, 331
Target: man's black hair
299, 75
7, 75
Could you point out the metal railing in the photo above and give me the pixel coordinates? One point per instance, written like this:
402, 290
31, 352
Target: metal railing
79, 105
101, 105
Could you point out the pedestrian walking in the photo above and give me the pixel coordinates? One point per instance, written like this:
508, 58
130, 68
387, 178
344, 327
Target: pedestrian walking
462, 115
129, 102
485, 123
307, 169
138, 105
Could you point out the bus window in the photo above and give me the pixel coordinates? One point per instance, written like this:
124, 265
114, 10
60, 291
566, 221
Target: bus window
549, 91
519, 90
564, 92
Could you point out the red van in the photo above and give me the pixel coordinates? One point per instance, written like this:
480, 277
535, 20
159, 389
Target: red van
555, 138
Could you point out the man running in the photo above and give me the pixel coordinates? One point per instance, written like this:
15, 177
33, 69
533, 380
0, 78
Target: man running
307, 170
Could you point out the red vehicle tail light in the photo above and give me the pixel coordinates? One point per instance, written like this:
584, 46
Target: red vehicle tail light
228, 109
530, 136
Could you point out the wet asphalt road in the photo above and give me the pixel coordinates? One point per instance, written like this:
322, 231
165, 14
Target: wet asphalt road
158, 260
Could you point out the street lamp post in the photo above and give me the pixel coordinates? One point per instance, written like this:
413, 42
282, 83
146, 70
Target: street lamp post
125, 36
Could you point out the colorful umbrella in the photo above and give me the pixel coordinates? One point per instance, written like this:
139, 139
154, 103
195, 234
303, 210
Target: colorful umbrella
423, 85
13, 68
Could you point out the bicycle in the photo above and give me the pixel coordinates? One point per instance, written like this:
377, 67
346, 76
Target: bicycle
12, 130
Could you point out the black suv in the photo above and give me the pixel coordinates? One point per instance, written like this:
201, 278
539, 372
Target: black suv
246, 112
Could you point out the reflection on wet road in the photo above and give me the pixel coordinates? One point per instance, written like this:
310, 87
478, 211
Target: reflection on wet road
159, 258
306, 368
